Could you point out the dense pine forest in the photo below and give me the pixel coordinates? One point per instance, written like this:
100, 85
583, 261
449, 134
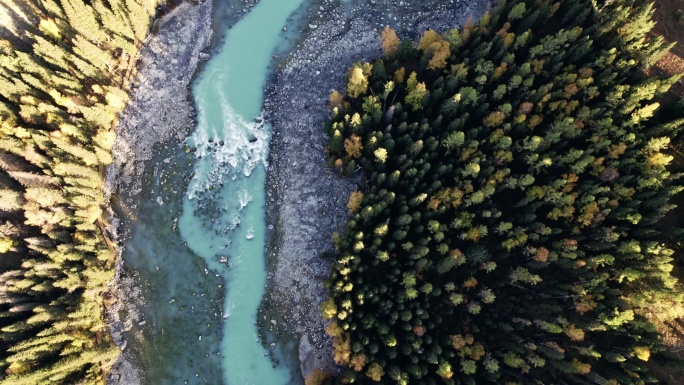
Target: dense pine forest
509, 226
64, 69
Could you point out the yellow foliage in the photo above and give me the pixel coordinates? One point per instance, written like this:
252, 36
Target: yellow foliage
336, 100
367, 69
390, 41
441, 53
574, 333
470, 283
358, 361
355, 201
341, 346
329, 309
429, 37
416, 92
316, 377
642, 353
375, 372
494, 119
357, 84
581, 367
18, 367
358, 79
382, 229
380, 155
334, 330
48, 27
6, 244
477, 352
355, 120
117, 100
399, 75
353, 146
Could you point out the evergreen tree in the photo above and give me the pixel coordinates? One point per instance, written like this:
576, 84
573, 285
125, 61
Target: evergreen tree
59, 94
520, 241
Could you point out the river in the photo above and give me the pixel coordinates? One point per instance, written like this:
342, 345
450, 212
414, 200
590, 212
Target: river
195, 232
223, 217
202, 200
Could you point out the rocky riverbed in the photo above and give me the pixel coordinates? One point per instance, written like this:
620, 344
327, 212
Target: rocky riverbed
159, 109
306, 200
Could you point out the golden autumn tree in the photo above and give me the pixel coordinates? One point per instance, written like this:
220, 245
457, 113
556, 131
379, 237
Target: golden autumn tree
353, 146
390, 41
355, 201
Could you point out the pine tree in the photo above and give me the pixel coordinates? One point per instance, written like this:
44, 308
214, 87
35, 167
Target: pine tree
56, 81
528, 180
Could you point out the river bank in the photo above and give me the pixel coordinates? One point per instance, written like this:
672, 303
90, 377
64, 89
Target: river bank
306, 200
158, 110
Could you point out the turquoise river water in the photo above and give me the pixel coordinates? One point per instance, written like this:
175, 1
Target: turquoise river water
202, 199
223, 213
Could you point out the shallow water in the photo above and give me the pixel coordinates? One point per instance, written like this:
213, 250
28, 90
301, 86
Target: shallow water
183, 301
224, 206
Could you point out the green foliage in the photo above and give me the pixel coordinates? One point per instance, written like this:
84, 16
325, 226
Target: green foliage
509, 231
60, 90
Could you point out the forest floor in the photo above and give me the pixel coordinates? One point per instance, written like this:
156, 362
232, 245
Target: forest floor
669, 15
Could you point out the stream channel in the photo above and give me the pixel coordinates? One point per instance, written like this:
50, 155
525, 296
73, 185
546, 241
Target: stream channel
202, 199
197, 235
231, 145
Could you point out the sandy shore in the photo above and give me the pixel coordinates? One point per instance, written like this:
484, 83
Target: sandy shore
306, 200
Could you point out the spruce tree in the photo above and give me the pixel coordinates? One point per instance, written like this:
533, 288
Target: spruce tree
528, 177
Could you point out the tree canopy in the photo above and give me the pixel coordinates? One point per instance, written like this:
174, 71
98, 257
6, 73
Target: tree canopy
63, 70
516, 176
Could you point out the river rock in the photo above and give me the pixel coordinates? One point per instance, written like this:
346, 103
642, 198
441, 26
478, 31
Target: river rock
309, 199
307, 357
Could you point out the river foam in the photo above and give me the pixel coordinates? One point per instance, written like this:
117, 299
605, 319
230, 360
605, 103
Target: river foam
228, 147
223, 219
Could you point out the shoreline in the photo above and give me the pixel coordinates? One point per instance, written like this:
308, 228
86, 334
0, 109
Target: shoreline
160, 108
306, 201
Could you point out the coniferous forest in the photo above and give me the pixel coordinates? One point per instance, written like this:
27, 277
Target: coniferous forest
64, 68
514, 224
509, 226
